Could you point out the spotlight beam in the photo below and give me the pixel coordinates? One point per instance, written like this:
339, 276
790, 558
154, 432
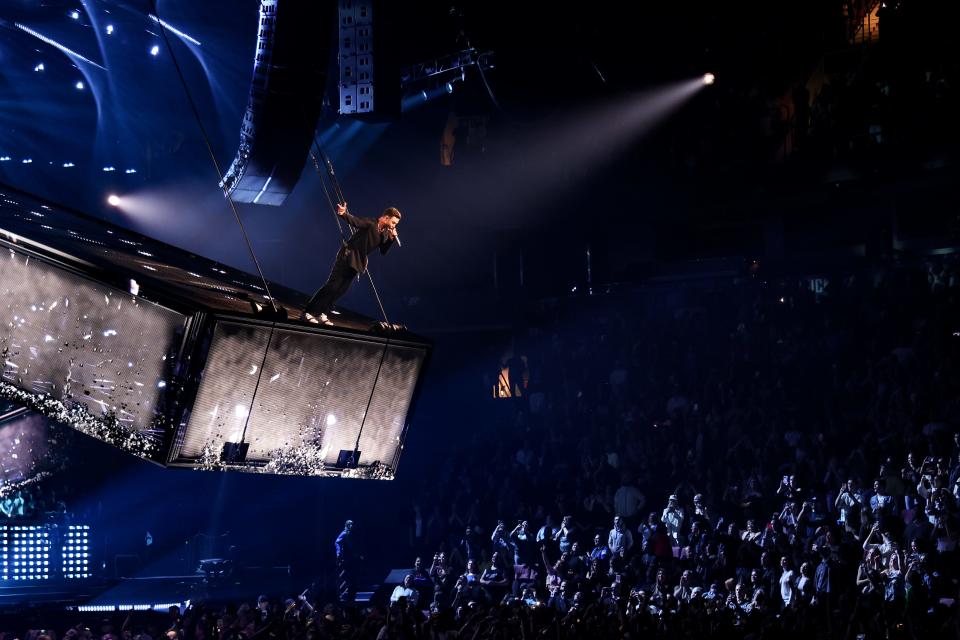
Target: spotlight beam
171, 28
56, 45
556, 154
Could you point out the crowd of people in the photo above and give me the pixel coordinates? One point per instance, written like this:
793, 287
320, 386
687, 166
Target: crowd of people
750, 458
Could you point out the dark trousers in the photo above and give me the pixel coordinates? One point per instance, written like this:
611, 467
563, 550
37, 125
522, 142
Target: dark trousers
345, 591
341, 277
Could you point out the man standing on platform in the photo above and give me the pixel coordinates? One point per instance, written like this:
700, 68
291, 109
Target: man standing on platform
370, 234
346, 555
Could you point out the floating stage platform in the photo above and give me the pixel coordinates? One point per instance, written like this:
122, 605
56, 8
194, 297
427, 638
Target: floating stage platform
183, 361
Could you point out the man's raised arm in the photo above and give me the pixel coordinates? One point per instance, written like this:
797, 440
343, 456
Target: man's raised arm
352, 220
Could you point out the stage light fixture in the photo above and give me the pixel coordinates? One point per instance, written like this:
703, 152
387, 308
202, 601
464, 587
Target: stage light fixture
79, 85
114, 201
155, 50
709, 78
109, 29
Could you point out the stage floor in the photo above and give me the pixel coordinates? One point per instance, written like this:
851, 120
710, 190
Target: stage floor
143, 592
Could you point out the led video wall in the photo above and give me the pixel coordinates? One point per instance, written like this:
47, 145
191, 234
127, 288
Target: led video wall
78, 341
299, 398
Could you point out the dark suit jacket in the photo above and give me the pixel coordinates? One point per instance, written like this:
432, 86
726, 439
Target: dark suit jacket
363, 242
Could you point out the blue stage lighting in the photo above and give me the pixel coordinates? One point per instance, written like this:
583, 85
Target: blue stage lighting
155, 50
170, 27
79, 85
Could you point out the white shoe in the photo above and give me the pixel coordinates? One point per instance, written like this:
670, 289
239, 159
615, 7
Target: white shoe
321, 319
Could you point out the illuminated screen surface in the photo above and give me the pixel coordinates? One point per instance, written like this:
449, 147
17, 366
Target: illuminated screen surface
299, 394
81, 341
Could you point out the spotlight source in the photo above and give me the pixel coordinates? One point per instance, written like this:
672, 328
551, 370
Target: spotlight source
154, 50
113, 200
709, 78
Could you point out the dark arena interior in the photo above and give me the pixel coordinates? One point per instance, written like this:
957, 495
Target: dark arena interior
366, 319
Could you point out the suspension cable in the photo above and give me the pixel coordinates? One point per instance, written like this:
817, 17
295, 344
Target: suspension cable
213, 156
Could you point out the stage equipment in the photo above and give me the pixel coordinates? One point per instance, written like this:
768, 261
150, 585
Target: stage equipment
444, 70
187, 368
369, 69
289, 79
36, 553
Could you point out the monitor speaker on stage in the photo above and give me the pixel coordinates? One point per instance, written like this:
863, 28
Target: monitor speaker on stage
234, 452
348, 458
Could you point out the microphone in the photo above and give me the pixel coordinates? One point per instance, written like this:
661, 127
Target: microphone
396, 237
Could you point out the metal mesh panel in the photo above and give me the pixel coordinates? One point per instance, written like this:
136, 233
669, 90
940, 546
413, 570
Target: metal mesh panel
81, 341
390, 404
311, 395
226, 392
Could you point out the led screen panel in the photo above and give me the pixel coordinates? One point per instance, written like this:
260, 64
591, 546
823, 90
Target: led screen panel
298, 398
70, 339
382, 434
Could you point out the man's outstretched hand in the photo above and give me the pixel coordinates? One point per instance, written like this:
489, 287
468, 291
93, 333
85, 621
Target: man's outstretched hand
341, 208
